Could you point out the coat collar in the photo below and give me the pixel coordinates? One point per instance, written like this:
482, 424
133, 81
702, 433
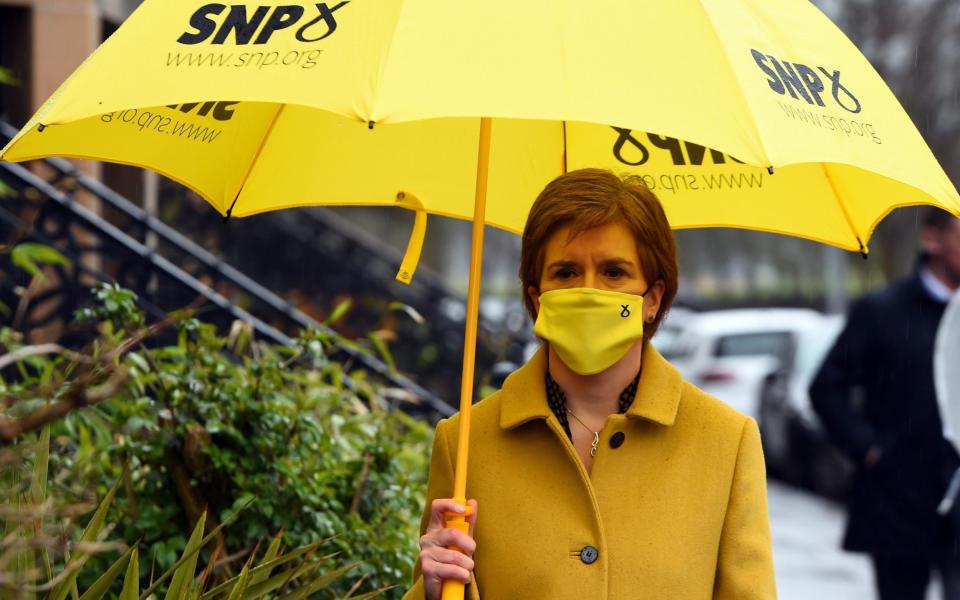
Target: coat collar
524, 396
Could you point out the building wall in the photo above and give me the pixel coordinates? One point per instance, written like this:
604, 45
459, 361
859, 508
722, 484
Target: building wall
47, 41
62, 34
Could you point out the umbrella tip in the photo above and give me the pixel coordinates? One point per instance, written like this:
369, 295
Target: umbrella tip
770, 169
863, 249
370, 124
226, 217
41, 127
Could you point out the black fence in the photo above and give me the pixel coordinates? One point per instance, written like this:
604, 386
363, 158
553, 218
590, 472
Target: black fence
122, 243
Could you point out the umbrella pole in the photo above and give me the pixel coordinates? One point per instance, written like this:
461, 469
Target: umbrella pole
454, 590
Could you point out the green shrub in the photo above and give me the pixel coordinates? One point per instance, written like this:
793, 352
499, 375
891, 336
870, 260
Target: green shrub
213, 422
29, 564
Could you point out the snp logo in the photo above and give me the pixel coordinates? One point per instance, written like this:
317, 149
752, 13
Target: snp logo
631, 150
801, 81
244, 26
222, 111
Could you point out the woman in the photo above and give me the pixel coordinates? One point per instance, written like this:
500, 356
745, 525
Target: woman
599, 471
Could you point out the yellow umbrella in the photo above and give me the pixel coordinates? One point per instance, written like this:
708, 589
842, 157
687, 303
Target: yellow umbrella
773, 83
388, 102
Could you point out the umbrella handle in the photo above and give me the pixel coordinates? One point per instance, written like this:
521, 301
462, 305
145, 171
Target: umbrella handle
452, 589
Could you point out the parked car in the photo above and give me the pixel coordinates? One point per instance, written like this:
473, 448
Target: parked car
795, 444
730, 353
671, 329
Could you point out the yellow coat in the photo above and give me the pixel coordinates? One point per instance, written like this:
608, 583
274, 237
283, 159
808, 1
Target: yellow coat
678, 511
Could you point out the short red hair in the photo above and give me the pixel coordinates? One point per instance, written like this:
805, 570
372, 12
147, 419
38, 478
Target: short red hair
588, 198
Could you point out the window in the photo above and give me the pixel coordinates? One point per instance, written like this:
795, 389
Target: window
773, 343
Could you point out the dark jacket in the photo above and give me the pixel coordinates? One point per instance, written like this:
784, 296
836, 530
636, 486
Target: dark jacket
876, 387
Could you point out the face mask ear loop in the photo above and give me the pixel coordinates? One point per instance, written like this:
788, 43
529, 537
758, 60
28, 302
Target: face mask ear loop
644, 296
546, 343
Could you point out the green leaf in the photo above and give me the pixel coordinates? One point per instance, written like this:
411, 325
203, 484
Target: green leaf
180, 584
383, 350
241, 586
187, 556
103, 583
338, 311
281, 579
241, 334
408, 310
371, 595
79, 557
271, 553
7, 77
24, 562
131, 581
38, 487
74, 591
29, 256
318, 583
262, 571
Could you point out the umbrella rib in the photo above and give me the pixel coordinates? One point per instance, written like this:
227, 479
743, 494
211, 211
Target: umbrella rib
843, 207
739, 87
564, 125
256, 157
381, 74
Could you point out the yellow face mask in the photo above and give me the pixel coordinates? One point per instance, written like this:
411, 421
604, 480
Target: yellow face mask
590, 329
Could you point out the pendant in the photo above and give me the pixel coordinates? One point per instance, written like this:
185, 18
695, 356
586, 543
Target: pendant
596, 442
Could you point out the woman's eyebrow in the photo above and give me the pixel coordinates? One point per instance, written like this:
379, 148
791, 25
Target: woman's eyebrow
562, 263
617, 261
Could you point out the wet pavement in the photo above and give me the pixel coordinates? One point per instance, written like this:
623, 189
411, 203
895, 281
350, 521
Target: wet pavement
809, 564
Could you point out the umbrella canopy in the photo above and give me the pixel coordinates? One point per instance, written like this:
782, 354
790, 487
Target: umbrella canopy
265, 105
259, 106
259, 157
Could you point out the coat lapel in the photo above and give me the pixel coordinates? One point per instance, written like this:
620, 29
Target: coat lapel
524, 399
659, 390
524, 395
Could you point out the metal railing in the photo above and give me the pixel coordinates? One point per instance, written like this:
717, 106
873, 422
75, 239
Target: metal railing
269, 305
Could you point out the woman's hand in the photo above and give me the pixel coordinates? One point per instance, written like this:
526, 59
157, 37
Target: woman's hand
436, 561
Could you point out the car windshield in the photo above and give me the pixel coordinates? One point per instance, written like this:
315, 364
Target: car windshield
773, 343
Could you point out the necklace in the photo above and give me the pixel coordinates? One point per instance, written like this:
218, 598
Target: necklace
596, 434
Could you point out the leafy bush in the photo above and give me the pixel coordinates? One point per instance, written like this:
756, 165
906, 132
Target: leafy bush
27, 566
212, 422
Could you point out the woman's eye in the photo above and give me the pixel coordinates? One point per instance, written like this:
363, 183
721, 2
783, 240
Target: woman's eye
614, 272
564, 274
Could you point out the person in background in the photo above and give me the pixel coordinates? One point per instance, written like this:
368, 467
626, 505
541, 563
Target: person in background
875, 395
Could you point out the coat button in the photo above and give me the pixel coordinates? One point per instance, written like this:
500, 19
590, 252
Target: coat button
589, 555
616, 440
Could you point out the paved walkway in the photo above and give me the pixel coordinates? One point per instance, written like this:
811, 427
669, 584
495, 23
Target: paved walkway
809, 564
806, 533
